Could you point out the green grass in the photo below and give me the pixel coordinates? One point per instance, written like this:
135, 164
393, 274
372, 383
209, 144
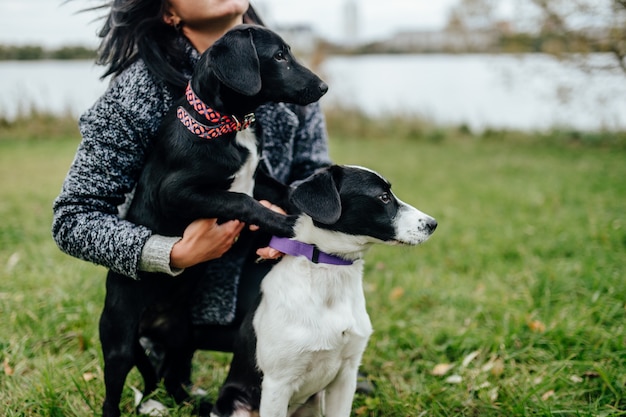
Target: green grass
521, 290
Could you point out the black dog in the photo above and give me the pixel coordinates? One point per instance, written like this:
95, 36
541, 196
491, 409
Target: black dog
197, 170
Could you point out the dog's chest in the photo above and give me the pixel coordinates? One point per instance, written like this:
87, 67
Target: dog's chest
243, 179
311, 321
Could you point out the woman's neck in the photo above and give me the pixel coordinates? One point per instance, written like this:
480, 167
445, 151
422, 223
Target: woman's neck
203, 38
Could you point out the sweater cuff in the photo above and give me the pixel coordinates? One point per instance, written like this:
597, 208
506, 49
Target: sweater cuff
155, 256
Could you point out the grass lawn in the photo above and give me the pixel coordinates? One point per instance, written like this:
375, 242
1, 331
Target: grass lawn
515, 307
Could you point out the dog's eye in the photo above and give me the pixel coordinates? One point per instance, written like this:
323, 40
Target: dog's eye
385, 198
279, 56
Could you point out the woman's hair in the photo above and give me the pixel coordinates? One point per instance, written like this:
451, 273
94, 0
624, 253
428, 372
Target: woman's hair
135, 29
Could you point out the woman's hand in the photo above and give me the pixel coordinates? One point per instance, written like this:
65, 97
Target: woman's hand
204, 240
267, 252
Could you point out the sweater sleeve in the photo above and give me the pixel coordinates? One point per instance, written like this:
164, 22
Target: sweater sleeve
115, 133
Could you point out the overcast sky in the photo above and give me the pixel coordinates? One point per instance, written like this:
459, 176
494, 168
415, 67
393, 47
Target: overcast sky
54, 23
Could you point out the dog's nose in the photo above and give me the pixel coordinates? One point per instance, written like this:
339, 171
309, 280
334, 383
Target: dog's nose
323, 87
431, 225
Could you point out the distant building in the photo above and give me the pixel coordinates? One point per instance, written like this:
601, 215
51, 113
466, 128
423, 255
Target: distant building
351, 22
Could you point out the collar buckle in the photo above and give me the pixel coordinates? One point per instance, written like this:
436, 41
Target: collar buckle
248, 119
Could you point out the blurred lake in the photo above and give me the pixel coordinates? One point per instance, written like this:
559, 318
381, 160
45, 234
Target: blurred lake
529, 92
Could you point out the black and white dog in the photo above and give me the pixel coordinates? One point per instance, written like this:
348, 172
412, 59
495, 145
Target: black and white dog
201, 165
305, 339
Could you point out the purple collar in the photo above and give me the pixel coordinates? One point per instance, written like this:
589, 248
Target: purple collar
311, 252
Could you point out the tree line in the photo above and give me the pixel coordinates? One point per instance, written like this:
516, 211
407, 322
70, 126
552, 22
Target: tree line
563, 28
34, 52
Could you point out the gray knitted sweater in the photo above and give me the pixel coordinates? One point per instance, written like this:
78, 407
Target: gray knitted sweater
116, 132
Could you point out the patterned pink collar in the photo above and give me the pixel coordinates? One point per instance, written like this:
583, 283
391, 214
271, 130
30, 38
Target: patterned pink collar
221, 124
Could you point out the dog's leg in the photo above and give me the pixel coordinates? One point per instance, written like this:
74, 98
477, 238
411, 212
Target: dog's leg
150, 379
225, 205
241, 393
339, 394
275, 396
118, 338
177, 379
177, 375
118, 361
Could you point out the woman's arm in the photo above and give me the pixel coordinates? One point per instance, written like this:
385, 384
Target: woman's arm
106, 166
116, 131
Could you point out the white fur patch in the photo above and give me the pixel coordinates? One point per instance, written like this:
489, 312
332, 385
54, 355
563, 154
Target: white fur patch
335, 243
243, 180
315, 316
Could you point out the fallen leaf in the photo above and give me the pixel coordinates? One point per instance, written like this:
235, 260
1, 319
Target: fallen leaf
396, 293
138, 396
81, 342
484, 385
547, 395
361, 410
198, 392
88, 376
493, 394
149, 407
8, 370
536, 326
454, 379
469, 358
14, 259
575, 379
498, 367
442, 369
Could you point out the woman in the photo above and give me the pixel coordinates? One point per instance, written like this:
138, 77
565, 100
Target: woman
150, 48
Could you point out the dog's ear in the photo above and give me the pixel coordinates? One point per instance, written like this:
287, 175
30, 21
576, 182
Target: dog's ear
318, 197
236, 63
